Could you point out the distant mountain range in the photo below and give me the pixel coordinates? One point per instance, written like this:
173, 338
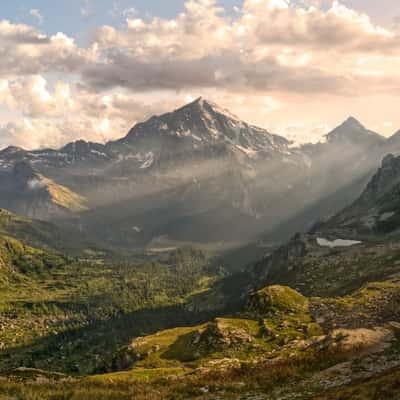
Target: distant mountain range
195, 175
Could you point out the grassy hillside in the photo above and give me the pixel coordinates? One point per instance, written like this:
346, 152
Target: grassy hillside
136, 330
64, 197
312, 321
48, 236
35, 233
277, 347
71, 315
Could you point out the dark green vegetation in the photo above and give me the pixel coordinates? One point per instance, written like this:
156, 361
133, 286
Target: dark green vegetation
49, 236
35, 233
71, 316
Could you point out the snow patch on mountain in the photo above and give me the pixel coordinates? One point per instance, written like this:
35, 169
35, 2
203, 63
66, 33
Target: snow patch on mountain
248, 152
148, 161
337, 242
35, 184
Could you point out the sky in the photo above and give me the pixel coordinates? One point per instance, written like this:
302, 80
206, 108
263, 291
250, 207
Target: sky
85, 69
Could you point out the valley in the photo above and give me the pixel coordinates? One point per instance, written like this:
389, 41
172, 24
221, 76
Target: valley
201, 257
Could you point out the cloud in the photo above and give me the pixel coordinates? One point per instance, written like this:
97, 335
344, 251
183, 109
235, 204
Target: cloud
268, 45
34, 12
296, 54
51, 115
129, 12
11, 33
223, 71
26, 51
86, 9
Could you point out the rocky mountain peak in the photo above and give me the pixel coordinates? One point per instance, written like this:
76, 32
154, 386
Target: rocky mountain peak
11, 155
204, 124
76, 146
352, 122
353, 132
206, 106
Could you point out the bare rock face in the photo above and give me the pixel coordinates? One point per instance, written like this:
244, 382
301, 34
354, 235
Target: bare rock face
217, 337
376, 211
386, 178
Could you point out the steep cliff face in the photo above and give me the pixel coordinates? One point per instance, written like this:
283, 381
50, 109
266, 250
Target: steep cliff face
376, 211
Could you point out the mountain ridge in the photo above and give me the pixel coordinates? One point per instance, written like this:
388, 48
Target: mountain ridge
352, 130
201, 102
175, 175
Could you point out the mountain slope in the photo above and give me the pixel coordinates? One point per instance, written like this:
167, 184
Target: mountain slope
18, 260
29, 193
202, 124
46, 235
321, 312
35, 233
376, 212
195, 175
352, 131
358, 245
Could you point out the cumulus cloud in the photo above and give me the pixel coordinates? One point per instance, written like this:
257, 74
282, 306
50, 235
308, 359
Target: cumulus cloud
34, 12
288, 52
26, 51
268, 45
51, 115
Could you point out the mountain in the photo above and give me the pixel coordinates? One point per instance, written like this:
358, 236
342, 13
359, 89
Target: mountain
202, 125
375, 212
17, 260
193, 128
352, 131
350, 152
27, 192
357, 245
46, 235
394, 140
196, 175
